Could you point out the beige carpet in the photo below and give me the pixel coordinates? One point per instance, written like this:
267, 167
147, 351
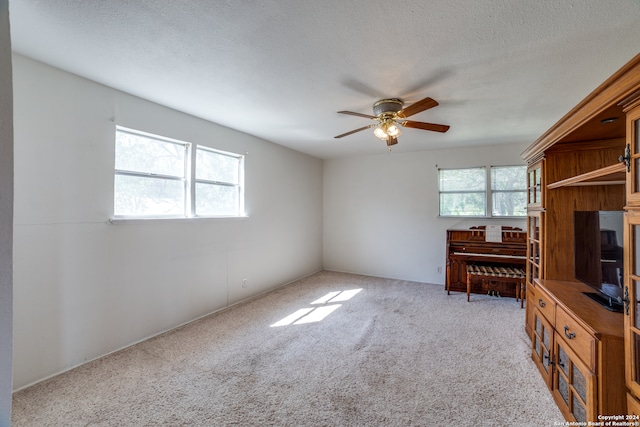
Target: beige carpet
395, 353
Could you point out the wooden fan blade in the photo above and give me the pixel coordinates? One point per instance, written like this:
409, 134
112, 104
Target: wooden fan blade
391, 141
426, 126
417, 107
354, 131
351, 113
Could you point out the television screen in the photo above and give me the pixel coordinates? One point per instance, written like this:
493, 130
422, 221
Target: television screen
598, 251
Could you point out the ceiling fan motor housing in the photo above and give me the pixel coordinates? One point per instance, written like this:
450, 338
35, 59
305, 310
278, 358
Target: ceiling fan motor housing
387, 106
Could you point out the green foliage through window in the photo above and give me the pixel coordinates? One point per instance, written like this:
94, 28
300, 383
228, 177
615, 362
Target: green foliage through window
154, 178
509, 191
218, 178
463, 192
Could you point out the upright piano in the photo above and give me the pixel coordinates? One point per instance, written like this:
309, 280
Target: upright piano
471, 246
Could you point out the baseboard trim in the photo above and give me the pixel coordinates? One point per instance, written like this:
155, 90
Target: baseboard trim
258, 295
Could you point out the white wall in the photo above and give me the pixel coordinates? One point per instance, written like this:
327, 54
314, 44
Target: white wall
6, 217
84, 287
381, 212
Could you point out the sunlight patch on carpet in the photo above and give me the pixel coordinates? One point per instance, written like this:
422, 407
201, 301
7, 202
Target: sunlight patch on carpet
293, 317
325, 299
345, 295
317, 314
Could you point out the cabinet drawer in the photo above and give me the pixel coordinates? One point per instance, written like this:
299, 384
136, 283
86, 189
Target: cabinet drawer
576, 337
546, 305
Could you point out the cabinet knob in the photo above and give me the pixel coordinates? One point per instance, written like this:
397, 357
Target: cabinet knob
541, 303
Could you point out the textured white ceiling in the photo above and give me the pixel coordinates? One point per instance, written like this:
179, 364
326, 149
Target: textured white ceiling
502, 71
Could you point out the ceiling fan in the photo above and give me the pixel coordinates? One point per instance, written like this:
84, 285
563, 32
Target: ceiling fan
388, 114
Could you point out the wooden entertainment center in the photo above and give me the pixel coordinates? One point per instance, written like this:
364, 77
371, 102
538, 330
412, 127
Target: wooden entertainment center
588, 161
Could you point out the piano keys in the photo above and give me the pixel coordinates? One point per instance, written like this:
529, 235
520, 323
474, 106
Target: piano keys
469, 246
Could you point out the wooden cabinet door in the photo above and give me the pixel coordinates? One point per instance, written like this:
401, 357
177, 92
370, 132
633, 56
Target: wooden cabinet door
632, 301
633, 408
529, 319
574, 385
542, 344
633, 141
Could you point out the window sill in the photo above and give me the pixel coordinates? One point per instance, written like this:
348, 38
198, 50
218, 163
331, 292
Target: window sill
483, 217
141, 220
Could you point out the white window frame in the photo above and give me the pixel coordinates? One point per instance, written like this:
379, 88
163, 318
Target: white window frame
488, 193
188, 179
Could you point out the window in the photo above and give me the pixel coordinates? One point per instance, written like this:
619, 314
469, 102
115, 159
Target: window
218, 183
509, 190
463, 192
154, 177
150, 176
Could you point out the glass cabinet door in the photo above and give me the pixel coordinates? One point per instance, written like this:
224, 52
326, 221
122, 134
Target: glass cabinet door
534, 233
534, 184
534, 260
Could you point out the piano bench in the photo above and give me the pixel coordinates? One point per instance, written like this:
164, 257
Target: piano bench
509, 275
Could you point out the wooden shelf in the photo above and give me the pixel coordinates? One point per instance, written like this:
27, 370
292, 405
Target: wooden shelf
610, 175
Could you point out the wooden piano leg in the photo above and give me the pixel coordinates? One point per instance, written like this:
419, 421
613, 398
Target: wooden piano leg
468, 286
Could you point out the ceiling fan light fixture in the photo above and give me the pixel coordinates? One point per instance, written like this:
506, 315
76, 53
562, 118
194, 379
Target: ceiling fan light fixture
393, 130
387, 129
380, 133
